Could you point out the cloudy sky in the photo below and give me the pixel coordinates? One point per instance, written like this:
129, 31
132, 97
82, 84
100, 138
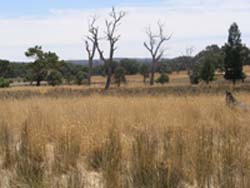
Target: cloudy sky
60, 25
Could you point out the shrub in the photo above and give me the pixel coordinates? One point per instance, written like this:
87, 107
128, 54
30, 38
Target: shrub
144, 71
120, 76
207, 71
194, 75
4, 83
80, 77
164, 78
54, 78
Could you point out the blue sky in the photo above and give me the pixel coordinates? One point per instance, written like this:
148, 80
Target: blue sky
12, 8
60, 25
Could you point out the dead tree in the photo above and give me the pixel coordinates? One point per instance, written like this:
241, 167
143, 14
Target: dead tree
188, 62
112, 37
155, 46
90, 46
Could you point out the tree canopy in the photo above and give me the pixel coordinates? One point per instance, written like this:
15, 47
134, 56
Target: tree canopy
43, 62
233, 57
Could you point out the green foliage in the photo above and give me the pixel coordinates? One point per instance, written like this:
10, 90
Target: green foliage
245, 52
194, 75
69, 71
233, 57
164, 78
4, 67
4, 83
99, 70
55, 78
164, 68
176, 64
144, 71
44, 61
207, 71
80, 77
120, 76
215, 53
17, 70
131, 66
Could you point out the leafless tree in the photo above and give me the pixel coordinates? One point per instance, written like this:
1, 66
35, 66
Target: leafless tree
189, 61
156, 48
112, 37
90, 45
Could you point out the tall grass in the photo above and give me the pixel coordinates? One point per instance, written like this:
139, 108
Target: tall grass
126, 142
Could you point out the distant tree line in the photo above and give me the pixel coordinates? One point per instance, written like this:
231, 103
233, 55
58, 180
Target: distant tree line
48, 68
228, 59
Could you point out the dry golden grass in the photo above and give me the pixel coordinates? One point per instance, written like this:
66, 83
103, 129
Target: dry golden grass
142, 141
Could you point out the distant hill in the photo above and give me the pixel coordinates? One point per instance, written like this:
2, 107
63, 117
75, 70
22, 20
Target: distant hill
97, 62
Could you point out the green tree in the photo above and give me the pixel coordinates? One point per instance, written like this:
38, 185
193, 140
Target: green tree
144, 71
207, 71
233, 57
43, 62
164, 78
131, 66
80, 77
194, 74
39, 67
215, 53
54, 78
4, 82
120, 76
245, 55
4, 67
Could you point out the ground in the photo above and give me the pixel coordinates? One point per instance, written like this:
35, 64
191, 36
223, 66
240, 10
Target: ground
175, 135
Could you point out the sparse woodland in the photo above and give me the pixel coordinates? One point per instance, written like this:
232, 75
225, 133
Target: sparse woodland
125, 123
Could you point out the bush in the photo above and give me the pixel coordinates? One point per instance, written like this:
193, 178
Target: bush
164, 78
144, 71
80, 76
4, 83
54, 78
131, 66
119, 75
207, 71
194, 75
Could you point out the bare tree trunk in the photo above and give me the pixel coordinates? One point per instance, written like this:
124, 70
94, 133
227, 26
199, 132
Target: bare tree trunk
112, 38
38, 82
91, 39
152, 77
90, 71
155, 48
109, 77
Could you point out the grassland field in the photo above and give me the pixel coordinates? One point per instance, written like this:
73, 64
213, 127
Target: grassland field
136, 136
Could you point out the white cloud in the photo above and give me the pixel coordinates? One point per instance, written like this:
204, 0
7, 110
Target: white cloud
193, 23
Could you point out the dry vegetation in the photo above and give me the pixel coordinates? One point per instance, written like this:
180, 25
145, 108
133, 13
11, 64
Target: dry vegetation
124, 141
130, 137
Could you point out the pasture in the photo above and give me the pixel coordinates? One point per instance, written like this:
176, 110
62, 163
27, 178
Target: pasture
176, 135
